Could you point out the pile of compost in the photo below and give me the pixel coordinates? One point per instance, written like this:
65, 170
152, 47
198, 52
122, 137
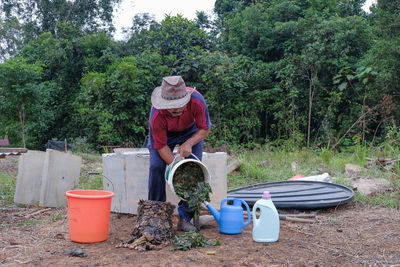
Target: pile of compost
153, 226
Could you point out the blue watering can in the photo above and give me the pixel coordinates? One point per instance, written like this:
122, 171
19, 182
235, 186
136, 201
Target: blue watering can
230, 217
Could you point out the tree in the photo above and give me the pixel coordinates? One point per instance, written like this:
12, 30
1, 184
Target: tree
384, 55
113, 106
20, 92
34, 17
236, 90
321, 49
249, 33
179, 41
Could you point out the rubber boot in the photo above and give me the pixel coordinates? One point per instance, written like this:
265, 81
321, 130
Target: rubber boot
185, 226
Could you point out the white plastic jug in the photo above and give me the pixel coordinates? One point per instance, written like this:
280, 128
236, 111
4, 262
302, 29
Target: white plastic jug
266, 226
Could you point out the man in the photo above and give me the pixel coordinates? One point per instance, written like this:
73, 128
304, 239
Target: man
179, 116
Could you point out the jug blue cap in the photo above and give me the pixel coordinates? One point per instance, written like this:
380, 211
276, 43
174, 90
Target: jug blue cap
266, 195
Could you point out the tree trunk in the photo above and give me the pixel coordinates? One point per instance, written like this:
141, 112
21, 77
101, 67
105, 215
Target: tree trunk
22, 121
310, 102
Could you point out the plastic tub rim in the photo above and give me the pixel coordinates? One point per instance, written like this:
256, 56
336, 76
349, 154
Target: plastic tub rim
75, 194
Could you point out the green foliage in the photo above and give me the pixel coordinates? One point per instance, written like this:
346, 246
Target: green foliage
193, 239
390, 200
195, 196
289, 73
114, 105
10, 31
361, 150
326, 155
189, 184
91, 182
178, 34
236, 90
81, 145
7, 188
27, 223
59, 18
266, 166
250, 34
23, 97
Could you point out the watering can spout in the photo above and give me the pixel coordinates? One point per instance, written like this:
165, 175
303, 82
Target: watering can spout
213, 211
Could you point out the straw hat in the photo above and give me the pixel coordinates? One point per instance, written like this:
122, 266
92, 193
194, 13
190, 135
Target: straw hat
172, 93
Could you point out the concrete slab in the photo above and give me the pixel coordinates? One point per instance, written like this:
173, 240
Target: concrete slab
44, 177
29, 178
60, 173
126, 173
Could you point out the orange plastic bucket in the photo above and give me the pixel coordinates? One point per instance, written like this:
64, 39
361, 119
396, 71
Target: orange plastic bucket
89, 215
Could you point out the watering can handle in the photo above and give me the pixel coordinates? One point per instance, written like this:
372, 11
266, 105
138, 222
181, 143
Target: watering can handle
247, 208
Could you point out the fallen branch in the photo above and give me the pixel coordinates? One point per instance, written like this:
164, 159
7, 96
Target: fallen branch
36, 213
136, 243
295, 219
22, 262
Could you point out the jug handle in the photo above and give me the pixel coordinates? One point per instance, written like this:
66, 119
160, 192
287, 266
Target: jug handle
244, 202
248, 213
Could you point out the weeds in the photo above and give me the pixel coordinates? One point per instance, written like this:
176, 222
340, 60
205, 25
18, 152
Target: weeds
263, 165
91, 177
28, 223
260, 165
7, 188
93, 182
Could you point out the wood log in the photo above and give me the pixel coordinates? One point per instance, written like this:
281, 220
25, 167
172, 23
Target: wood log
233, 166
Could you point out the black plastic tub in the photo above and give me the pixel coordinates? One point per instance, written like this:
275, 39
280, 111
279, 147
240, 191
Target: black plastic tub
297, 194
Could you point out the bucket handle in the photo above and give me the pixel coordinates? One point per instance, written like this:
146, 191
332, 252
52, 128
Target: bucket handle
178, 156
195, 157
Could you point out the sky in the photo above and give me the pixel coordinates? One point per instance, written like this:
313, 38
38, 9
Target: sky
158, 8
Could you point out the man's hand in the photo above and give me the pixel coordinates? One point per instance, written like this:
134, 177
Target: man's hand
185, 150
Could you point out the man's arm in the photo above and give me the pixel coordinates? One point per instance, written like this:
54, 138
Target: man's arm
185, 149
166, 154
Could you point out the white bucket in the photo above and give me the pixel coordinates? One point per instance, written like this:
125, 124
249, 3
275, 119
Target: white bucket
171, 169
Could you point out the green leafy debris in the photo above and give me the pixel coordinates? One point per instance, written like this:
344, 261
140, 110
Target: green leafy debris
192, 239
189, 184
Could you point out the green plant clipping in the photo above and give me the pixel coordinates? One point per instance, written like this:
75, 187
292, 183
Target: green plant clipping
189, 184
192, 239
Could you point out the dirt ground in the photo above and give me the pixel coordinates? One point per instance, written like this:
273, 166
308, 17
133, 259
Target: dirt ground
349, 235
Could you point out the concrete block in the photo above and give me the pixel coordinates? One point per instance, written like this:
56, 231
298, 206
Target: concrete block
126, 173
29, 178
61, 173
44, 177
